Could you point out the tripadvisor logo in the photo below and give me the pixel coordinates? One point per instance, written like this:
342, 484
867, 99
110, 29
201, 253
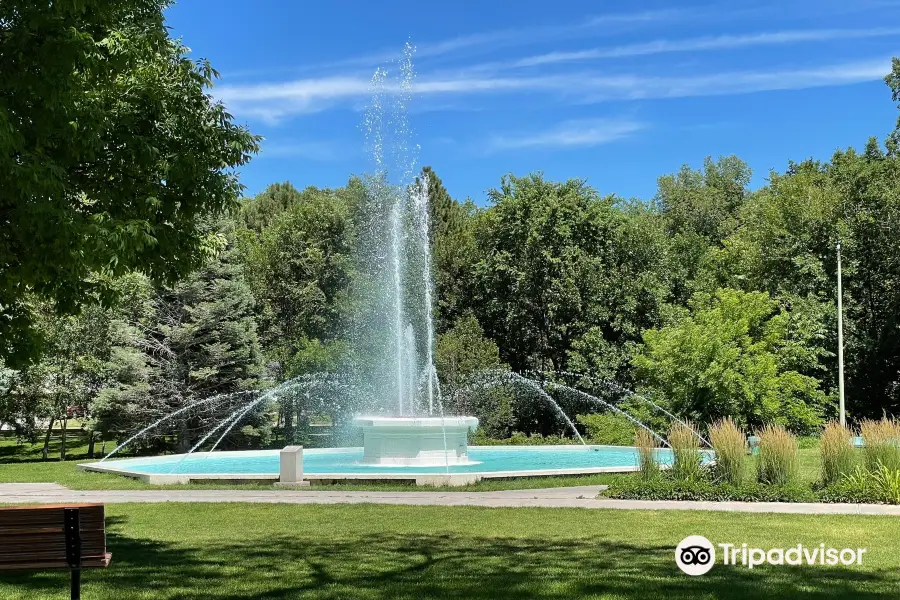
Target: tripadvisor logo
696, 555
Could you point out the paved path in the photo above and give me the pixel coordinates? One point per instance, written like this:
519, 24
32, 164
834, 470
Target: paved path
566, 497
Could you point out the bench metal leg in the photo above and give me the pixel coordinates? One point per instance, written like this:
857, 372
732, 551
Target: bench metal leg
76, 584
72, 527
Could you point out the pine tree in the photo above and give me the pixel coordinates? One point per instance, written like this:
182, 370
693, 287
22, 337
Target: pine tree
197, 340
452, 248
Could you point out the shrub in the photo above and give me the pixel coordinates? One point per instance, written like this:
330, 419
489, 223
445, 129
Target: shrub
886, 483
864, 486
479, 438
607, 428
836, 452
646, 447
687, 459
778, 462
882, 444
630, 488
854, 486
730, 444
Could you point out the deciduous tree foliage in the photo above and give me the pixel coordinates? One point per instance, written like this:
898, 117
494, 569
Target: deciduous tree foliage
452, 251
561, 270
300, 265
110, 150
716, 299
731, 356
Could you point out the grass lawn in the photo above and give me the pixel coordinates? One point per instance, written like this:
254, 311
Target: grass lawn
235, 551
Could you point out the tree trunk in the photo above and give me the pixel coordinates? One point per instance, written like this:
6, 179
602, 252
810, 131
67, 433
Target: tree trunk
46, 450
91, 440
289, 423
184, 439
62, 445
303, 424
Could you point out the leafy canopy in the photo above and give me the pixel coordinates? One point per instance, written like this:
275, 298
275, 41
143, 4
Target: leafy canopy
731, 356
110, 150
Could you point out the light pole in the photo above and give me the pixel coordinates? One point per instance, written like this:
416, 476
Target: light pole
840, 338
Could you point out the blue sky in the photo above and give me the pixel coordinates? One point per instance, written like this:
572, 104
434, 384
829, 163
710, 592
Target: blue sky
615, 93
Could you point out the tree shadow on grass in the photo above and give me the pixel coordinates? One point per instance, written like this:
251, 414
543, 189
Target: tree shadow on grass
454, 567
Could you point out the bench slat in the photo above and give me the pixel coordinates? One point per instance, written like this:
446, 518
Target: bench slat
96, 562
33, 537
50, 516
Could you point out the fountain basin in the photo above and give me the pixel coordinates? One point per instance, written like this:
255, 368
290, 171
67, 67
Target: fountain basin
415, 441
345, 464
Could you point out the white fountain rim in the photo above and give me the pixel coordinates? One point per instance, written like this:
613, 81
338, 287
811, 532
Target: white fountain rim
416, 422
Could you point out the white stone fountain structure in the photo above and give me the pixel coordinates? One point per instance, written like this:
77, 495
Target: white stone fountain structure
416, 441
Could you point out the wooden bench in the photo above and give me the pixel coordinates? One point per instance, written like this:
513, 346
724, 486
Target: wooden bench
56, 536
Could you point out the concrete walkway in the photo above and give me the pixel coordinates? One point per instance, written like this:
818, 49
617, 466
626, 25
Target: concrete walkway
566, 497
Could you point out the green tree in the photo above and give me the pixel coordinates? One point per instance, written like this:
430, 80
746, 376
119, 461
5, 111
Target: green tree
705, 201
452, 251
731, 356
785, 246
300, 267
870, 220
261, 211
67, 376
462, 352
562, 271
892, 79
110, 150
200, 341
701, 207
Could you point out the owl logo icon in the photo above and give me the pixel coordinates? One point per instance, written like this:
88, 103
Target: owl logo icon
695, 555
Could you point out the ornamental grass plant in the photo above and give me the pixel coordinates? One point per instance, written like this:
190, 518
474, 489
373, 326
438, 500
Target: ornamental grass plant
687, 463
778, 462
730, 444
837, 453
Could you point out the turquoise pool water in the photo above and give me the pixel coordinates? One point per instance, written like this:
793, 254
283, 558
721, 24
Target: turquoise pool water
485, 459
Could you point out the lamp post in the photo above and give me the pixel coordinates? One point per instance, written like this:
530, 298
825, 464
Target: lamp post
840, 338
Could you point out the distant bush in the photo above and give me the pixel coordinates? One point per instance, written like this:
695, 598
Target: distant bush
520, 439
610, 429
778, 462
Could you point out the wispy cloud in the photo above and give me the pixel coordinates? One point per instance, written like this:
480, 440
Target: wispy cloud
569, 134
720, 42
275, 101
505, 38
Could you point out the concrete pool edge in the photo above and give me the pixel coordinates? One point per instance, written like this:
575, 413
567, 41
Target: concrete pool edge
422, 479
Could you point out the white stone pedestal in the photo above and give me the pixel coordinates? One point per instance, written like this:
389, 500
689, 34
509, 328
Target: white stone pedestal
290, 467
412, 441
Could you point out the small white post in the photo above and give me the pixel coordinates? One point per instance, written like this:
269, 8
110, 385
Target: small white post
290, 471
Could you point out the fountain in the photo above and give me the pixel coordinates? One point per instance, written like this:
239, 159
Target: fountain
389, 381
400, 316
416, 441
